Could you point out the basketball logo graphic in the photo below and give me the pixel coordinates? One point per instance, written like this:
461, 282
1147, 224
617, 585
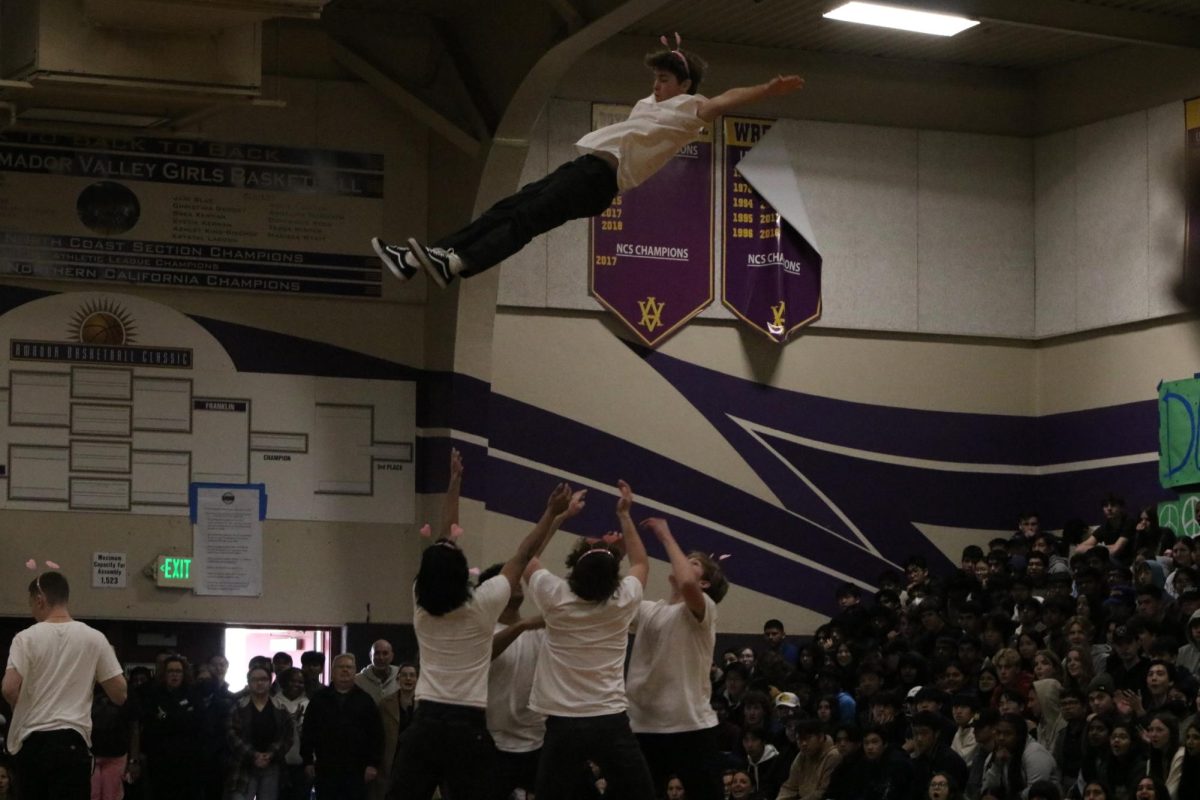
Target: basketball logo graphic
108, 208
102, 322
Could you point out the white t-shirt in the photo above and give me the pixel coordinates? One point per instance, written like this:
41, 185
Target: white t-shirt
668, 684
296, 710
59, 664
456, 648
514, 726
649, 138
580, 672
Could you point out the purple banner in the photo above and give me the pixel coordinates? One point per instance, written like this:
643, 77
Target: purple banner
772, 276
652, 249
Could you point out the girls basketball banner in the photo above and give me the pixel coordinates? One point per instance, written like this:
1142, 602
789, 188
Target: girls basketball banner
183, 213
651, 259
772, 273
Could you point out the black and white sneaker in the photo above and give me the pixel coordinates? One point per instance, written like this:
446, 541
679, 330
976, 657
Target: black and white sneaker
436, 261
398, 260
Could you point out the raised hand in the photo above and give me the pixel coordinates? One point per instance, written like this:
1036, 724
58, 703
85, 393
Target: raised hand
656, 525
784, 84
575, 506
560, 499
625, 501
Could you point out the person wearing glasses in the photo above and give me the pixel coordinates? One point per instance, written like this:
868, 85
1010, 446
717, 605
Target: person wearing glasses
52, 669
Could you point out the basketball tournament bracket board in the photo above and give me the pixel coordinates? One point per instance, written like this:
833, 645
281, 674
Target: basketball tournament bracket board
116, 403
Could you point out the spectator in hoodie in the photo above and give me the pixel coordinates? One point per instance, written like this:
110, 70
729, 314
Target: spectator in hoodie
963, 708
810, 772
1189, 655
1017, 760
1045, 708
764, 763
1183, 555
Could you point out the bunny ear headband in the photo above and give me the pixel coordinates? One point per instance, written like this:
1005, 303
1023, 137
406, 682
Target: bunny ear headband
607, 539
456, 531
677, 51
32, 564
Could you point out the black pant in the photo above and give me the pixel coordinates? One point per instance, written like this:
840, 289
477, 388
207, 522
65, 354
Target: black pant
515, 771
295, 784
341, 784
580, 188
693, 756
55, 765
447, 745
608, 741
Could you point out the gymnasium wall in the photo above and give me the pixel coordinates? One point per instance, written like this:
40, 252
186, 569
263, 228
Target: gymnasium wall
828, 459
315, 572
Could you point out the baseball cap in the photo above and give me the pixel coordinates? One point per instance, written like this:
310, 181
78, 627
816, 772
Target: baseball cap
787, 700
1101, 683
1123, 634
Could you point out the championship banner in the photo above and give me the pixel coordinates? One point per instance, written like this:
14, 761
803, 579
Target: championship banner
651, 260
1192, 154
772, 274
189, 213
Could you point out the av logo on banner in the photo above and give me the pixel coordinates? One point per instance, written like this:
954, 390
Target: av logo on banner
772, 274
651, 260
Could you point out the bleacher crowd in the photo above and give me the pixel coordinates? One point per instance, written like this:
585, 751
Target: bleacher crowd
1043, 668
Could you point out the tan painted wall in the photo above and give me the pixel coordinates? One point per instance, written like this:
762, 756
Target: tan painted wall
314, 572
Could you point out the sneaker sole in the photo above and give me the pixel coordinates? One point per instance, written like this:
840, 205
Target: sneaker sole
431, 269
386, 257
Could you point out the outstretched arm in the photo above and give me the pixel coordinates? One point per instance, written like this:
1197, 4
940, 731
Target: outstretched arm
574, 507
450, 501
502, 640
683, 575
725, 102
535, 540
639, 561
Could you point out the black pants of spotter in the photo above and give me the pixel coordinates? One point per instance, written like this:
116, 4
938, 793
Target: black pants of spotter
580, 188
55, 765
607, 740
445, 745
693, 756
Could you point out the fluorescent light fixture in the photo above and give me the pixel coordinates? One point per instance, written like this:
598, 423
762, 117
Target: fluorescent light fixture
905, 19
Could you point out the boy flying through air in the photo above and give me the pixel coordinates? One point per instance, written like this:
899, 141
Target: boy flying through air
616, 158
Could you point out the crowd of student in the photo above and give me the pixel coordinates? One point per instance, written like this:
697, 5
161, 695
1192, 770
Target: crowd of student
1046, 668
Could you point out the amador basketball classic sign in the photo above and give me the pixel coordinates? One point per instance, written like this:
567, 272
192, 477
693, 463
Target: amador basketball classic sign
100, 332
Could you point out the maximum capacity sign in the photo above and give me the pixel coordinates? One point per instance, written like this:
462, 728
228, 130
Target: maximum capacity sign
651, 260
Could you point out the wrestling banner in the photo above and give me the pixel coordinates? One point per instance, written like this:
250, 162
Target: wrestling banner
772, 274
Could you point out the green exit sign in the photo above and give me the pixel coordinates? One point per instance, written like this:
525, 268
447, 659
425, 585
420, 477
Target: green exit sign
174, 571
